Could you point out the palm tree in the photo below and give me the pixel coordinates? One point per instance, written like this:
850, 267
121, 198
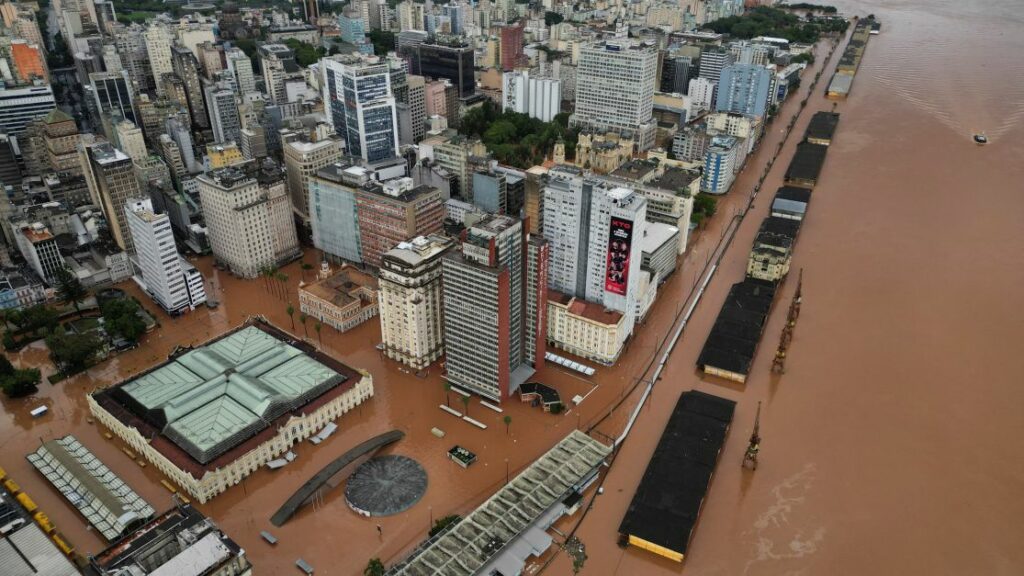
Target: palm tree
302, 320
465, 403
447, 398
291, 315
374, 568
319, 336
305, 268
507, 420
283, 279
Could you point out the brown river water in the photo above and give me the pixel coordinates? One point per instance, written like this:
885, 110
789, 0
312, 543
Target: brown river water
892, 445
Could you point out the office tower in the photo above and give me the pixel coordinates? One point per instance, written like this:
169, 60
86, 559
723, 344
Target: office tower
417, 106
675, 74
690, 143
130, 140
111, 180
702, 93
511, 47
186, 67
333, 211
158, 261
302, 160
210, 59
720, 162
252, 142
539, 97
248, 217
112, 92
240, 65
744, 89
177, 127
131, 45
57, 147
712, 60
615, 89
277, 61
452, 61
409, 300
394, 211
486, 285
490, 192
158, 48
360, 106
19, 106
408, 41
353, 30
224, 118
39, 248
533, 199
456, 14
595, 231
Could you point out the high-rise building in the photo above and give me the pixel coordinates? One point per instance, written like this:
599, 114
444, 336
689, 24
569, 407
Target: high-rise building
392, 212
410, 16
675, 74
452, 61
311, 10
112, 95
277, 62
360, 106
248, 217
712, 60
595, 229
615, 82
158, 47
224, 118
19, 106
186, 67
302, 160
39, 248
720, 162
111, 179
702, 93
333, 211
512, 47
130, 42
493, 303
353, 29
539, 97
744, 89
158, 261
417, 106
130, 140
240, 65
409, 301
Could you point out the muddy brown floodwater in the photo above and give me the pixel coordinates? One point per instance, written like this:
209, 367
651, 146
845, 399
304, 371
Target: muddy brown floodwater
893, 443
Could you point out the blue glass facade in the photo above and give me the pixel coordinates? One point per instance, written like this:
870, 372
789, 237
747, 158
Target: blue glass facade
334, 219
744, 89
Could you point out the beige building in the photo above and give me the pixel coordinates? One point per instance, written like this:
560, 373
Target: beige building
342, 299
110, 175
248, 217
211, 416
301, 162
410, 301
585, 329
603, 153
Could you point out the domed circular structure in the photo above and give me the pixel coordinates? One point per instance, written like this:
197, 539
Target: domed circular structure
386, 485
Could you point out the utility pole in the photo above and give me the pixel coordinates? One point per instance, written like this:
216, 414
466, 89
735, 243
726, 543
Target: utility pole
755, 442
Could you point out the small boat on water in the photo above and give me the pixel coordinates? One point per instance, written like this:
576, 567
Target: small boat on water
980, 138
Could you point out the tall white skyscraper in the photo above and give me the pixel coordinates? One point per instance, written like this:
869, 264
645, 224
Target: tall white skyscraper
240, 66
158, 46
173, 287
539, 97
615, 83
360, 105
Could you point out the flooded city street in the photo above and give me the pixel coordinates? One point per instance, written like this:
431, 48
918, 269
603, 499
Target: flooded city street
891, 445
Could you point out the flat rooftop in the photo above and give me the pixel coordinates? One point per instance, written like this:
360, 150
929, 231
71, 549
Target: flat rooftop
807, 161
823, 125
206, 406
738, 328
485, 532
584, 309
339, 288
668, 501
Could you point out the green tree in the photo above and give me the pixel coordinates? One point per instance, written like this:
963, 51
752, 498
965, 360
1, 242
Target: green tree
306, 267
121, 318
70, 289
17, 383
305, 54
383, 41
73, 352
291, 315
442, 523
704, 207
465, 403
447, 396
319, 336
507, 420
374, 568
283, 280
302, 320
552, 18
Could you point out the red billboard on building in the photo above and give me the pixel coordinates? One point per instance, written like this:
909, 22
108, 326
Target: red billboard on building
620, 241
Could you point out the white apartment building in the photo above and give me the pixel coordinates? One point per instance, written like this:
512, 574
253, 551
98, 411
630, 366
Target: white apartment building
409, 300
615, 82
738, 125
158, 261
248, 219
241, 68
702, 94
538, 97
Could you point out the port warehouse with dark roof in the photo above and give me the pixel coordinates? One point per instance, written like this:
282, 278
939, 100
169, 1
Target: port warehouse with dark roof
849, 62
822, 127
732, 343
667, 503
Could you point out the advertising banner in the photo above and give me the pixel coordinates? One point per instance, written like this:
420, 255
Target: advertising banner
620, 241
